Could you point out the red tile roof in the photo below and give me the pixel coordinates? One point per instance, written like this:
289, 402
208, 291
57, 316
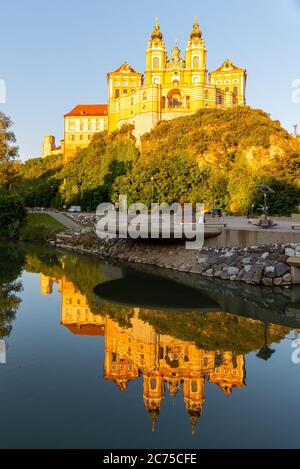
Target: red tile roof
86, 329
89, 110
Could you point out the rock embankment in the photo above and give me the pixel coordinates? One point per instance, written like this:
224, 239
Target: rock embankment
257, 265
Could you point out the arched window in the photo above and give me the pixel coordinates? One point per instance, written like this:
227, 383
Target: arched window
153, 384
196, 62
155, 63
194, 386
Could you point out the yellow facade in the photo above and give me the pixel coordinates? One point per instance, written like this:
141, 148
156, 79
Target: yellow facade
167, 363
172, 87
81, 124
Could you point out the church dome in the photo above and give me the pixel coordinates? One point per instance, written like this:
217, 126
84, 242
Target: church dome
196, 33
157, 34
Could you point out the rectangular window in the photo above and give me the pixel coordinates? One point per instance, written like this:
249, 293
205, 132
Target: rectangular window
71, 125
90, 137
81, 125
72, 138
117, 94
89, 124
97, 124
81, 137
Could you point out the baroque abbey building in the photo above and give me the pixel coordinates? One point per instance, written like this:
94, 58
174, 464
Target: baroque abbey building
171, 87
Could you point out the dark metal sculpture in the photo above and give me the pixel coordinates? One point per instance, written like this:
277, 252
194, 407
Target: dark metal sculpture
265, 221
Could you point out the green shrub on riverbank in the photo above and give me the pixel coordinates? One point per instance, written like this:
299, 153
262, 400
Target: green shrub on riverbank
12, 215
40, 227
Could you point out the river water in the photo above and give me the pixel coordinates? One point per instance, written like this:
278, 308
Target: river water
96, 355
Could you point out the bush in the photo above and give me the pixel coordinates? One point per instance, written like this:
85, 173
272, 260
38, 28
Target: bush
12, 215
40, 227
36, 233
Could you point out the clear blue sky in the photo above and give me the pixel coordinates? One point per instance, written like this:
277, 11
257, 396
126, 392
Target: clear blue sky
55, 54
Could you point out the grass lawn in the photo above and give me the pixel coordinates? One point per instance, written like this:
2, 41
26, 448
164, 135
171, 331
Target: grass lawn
40, 227
42, 219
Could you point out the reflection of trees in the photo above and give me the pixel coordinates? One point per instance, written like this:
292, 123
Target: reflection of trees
210, 331
9, 304
214, 331
83, 272
11, 264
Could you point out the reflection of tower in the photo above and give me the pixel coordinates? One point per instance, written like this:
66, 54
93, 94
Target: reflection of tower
153, 395
193, 391
46, 284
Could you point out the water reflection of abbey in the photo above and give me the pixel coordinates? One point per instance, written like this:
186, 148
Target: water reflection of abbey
164, 361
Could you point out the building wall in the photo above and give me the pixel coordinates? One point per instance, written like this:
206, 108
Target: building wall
79, 131
174, 86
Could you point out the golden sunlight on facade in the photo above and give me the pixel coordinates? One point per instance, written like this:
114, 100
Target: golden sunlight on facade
173, 86
166, 363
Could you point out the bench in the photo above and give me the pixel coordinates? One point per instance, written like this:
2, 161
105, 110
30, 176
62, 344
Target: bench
295, 226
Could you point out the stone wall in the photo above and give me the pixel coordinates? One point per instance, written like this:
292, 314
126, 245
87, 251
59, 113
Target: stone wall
258, 265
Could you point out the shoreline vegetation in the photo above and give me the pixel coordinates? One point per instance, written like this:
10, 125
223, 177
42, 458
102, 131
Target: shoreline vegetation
212, 155
40, 227
235, 332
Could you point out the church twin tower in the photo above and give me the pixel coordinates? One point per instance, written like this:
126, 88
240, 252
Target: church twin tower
173, 86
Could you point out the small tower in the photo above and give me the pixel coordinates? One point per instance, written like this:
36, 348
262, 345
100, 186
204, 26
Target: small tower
46, 284
194, 398
153, 396
156, 57
48, 145
195, 56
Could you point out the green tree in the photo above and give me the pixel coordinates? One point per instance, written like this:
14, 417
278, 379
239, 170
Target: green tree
12, 215
8, 151
89, 177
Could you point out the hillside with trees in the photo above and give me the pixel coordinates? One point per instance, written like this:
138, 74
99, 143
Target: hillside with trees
221, 155
213, 155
